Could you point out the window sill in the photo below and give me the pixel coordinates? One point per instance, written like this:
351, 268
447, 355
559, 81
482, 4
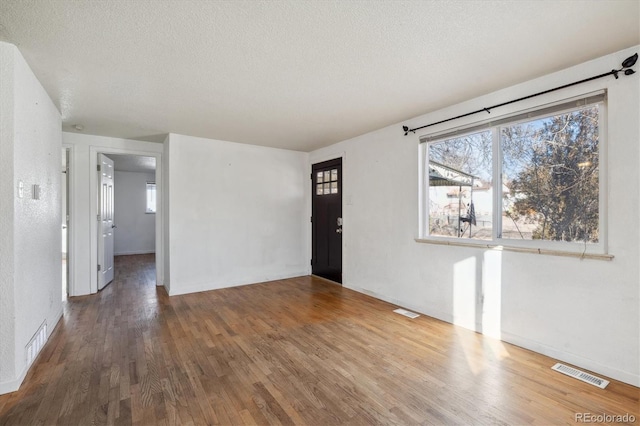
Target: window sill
548, 252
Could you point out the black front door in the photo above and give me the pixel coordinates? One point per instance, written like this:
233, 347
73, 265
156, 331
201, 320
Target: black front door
327, 220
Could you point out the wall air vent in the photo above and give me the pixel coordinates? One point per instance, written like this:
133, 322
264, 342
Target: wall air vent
406, 313
581, 375
36, 344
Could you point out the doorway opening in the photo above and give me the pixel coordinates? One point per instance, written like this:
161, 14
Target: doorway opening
326, 211
127, 213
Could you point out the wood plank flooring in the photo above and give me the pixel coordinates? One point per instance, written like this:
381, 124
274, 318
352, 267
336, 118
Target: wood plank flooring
297, 351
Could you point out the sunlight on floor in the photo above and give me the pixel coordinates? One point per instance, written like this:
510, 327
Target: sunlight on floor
498, 348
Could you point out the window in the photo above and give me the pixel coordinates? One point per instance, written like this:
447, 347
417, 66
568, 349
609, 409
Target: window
532, 179
151, 197
458, 167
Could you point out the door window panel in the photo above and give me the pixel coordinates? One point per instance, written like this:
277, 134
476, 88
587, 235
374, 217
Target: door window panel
327, 182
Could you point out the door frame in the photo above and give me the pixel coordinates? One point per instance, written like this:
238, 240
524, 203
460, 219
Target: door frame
344, 200
71, 226
93, 210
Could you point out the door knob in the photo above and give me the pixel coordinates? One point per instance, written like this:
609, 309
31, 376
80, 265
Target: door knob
339, 230
113, 226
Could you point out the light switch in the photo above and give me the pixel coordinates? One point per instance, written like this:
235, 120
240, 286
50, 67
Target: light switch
20, 189
36, 192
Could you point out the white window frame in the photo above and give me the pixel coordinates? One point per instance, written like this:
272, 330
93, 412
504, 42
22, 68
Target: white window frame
598, 250
147, 189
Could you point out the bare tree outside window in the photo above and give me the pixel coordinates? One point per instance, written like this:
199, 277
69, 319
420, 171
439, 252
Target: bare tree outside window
551, 169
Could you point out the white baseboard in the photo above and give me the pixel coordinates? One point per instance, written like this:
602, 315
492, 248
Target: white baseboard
574, 359
128, 253
538, 347
56, 319
175, 290
430, 313
13, 385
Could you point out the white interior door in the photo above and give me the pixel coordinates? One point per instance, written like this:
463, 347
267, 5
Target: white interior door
106, 226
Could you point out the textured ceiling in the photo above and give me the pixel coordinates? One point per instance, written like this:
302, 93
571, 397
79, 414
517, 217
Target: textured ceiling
133, 163
294, 74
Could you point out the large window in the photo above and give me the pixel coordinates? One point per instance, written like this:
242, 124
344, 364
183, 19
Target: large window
533, 179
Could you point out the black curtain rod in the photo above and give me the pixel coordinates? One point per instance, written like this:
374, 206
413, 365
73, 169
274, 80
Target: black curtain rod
626, 67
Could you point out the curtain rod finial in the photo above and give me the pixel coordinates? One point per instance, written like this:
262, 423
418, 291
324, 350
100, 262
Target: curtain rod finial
630, 61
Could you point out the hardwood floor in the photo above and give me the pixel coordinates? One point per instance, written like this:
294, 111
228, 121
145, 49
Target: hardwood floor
296, 351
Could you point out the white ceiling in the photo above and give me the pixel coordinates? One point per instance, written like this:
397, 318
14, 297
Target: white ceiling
294, 74
133, 163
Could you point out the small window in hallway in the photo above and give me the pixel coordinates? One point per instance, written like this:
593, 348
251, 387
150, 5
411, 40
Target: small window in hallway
151, 197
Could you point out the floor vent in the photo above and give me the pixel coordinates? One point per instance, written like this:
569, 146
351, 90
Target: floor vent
581, 375
406, 313
36, 343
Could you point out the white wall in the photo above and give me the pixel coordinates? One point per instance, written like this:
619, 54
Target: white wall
136, 231
238, 213
83, 210
30, 252
7, 194
585, 312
